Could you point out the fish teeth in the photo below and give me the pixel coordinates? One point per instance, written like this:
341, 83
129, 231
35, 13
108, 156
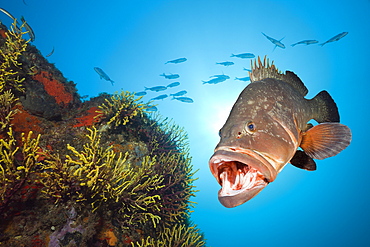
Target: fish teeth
237, 181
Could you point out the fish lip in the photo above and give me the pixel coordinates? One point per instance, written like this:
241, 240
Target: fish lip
225, 157
254, 158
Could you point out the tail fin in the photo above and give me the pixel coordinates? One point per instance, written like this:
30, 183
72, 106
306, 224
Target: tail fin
327, 110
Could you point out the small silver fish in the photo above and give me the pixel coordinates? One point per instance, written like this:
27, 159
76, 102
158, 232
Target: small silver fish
275, 42
102, 74
31, 33
243, 55
156, 88
8, 14
162, 96
249, 70
184, 99
142, 93
227, 63
179, 60
220, 76
306, 42
13, 18
335, 38
151, 109
51, 53
183, 92
173, 84
170, 76
242, 78
215, 80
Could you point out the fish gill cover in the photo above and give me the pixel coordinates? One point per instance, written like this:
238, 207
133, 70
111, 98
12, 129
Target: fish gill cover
100, 172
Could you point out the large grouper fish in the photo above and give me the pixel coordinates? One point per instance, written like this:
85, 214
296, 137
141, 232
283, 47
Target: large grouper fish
270, 120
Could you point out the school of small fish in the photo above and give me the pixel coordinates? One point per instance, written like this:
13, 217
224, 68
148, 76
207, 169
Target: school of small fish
179, 96
215, 79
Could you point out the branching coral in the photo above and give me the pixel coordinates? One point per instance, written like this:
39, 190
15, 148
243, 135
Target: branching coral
96, 174
177, 236
9, 58
7, 111
81, 175
175, 196
14, 171
156, 191
165, 136
10, 53
120, 108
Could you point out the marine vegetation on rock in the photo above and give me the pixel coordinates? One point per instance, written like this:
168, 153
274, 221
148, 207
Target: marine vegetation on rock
103, 172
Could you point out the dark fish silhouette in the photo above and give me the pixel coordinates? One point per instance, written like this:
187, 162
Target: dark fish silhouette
102, 74
306, 42
179, 60
173, 84
227, 63
335, 38
163, 96
243, 55
156, 88
142, 93
184, 99
181, 93
170, 76
275, 42
242, 78
215, 80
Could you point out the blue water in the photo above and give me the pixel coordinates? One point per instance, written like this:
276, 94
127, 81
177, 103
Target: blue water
132, 40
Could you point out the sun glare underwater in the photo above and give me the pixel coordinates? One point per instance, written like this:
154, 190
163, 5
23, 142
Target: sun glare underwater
184, 123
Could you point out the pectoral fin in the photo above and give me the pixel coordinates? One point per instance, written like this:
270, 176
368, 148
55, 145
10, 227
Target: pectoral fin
326, 140
303, 161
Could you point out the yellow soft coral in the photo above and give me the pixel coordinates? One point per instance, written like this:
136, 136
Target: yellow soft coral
120, 108
9, 57
14, 174
179, 235
7, 102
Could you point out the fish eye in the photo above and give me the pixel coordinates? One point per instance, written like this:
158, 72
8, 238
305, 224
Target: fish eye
219, 133
250, 127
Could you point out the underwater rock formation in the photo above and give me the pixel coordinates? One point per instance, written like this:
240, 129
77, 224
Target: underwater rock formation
102, 172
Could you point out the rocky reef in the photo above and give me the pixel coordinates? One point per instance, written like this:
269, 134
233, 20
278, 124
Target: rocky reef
102, 172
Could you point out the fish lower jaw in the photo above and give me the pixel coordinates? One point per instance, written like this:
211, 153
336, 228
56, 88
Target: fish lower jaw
239, 182
243, 178
242, 173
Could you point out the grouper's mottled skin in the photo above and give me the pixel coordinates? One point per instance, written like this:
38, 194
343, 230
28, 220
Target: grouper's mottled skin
264, 129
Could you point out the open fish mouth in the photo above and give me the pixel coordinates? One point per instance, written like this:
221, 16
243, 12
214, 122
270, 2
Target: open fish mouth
242, 173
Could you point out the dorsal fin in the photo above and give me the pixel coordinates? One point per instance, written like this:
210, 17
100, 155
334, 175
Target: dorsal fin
262, 70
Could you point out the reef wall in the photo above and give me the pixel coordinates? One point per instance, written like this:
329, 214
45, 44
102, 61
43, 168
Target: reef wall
102, 172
